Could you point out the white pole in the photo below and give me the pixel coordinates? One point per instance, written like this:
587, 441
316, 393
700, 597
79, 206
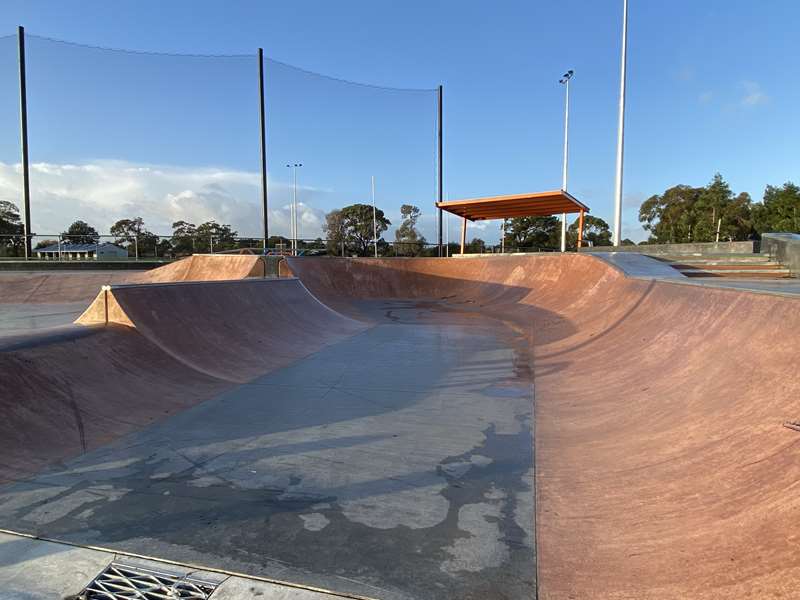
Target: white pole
374, 218
617, 235
294, 211
566, 160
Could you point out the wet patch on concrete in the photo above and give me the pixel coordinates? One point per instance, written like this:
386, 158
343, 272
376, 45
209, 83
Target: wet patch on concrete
397, 464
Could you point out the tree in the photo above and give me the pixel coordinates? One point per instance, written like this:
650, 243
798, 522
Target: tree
595, 230
335, 232
183, 237
628, 242
132, 234
223, 237
779, 211
476, 246
80, 232
353, 225
532, 232
669, 216
407, 236
11, 229
689, 214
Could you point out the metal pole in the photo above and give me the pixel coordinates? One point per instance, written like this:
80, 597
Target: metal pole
447, 235
136, 246
374, 218
294, 211
439, 194
23, 128
565, 80
566, 160
263, 132
621, 129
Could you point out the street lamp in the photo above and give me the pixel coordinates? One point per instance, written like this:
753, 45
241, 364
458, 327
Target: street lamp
294, 167
565, 82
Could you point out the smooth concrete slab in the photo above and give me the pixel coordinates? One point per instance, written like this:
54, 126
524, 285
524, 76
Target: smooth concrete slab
24, 318
395, 464
33, 569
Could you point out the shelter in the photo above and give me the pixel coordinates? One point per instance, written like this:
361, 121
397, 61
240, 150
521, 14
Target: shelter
539, 204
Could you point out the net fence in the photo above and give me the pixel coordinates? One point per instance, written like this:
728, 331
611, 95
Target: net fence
159, 154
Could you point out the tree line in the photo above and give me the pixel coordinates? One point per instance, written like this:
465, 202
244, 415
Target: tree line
684, 213
132, 234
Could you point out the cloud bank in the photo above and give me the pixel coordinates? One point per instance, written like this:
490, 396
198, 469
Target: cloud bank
103, 192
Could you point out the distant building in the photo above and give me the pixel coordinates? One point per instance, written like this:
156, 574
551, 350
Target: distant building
104, 251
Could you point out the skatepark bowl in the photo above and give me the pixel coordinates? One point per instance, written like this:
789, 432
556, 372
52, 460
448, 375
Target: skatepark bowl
475, 428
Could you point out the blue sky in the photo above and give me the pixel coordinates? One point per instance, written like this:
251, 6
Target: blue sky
710, 88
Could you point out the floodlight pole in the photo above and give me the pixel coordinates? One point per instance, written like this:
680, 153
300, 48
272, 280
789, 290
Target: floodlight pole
621, 129
374, 218
293, 211
263, 134
565, 81
439, 193
23, 128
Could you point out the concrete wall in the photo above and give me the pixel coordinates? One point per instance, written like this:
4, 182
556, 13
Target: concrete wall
700, 248
783, 248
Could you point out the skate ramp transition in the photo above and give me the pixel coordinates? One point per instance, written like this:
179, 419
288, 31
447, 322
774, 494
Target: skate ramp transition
663, 469
142, 352
662, 466
55, 287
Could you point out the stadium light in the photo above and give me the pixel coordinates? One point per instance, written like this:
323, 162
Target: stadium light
565, 82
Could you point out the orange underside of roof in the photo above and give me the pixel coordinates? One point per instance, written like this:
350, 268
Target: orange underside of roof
540, 204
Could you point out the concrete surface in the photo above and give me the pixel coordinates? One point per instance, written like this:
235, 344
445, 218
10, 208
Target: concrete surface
396, 459
34, 569
394, 464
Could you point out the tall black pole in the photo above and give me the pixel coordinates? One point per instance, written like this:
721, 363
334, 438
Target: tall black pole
23, 127
262, 124
439, 194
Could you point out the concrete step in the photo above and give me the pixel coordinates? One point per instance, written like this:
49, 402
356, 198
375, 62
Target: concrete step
728, 266
739, 273
743, 258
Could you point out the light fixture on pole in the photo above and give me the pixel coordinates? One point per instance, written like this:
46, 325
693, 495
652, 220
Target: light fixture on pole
617, 234
293, 211
565, 82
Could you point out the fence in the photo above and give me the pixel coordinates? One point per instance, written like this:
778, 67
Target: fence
62, 247
115, 134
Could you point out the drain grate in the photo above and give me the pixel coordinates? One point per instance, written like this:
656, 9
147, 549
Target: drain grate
123, 582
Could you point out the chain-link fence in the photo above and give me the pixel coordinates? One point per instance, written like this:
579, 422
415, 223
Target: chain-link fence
130, 143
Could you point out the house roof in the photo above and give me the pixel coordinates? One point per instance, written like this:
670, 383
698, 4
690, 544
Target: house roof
538, 204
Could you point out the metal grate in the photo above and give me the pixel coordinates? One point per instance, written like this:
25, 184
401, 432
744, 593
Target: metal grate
122, 582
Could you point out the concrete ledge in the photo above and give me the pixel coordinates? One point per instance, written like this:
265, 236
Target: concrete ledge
672, 249
81, 265
783, 248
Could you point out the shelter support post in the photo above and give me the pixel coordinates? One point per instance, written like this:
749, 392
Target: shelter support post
580, 229
463, 233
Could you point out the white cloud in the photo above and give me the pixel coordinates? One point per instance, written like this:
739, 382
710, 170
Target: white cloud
104, 191
753, 94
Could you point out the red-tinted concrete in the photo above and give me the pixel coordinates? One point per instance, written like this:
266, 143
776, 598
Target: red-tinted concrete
663, 469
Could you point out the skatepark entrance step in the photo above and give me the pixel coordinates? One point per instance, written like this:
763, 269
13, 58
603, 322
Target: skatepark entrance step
123, 582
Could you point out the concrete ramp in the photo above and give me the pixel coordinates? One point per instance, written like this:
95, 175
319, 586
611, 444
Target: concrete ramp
230, 330
663, 469
206, 267
146, 351
74, 286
